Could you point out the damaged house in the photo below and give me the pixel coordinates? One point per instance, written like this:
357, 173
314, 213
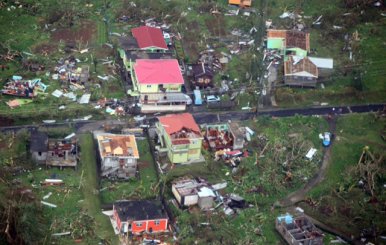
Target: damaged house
298, 230
68, 72
189, 192
118, 154
300, 71
158, 84
23, 88
224, 136
179, 137
201, 75
53, 152
62, 153
284, 40
142, 216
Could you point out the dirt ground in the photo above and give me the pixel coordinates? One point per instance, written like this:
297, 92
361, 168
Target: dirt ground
216, 25
5, 122
84, 32
45, 48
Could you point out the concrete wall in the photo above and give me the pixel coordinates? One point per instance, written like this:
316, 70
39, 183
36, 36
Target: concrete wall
39, 159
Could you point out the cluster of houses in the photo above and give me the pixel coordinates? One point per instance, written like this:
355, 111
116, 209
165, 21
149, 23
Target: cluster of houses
154, 76
300, 69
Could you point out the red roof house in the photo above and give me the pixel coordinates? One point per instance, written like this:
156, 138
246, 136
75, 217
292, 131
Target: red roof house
149, 37
174, 123
180, 136
157, 72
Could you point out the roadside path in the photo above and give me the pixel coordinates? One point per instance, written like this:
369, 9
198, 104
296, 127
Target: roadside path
300, 194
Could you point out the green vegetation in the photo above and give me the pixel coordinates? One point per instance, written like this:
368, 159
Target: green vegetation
145, 187
261, 184
90, 191
339, 198
352, 82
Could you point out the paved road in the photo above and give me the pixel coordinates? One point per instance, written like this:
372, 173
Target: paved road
241, 115
212, 117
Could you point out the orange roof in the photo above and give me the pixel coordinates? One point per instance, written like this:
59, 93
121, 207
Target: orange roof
174, 123
293, 38
117, 145
299, 66
246, 3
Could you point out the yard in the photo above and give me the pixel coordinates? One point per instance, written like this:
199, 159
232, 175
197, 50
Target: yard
276, 174
145, 187
340, 198
33, 29
78, 205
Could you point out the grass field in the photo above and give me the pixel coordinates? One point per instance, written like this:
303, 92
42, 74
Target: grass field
338, 197
78, 202
90, 187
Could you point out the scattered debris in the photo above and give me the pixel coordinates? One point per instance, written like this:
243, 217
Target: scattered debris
85, 99
24, 88
311, 153
18, 102
48, 204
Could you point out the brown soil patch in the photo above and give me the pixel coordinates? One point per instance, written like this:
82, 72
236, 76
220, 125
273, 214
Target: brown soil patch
5, 122
45, 48
144, 165
114, 88
84, 32
216, 25
103, 52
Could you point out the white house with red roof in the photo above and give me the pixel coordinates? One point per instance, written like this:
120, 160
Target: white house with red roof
158, 84
180, 137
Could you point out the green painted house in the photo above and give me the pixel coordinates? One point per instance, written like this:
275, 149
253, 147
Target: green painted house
180, 137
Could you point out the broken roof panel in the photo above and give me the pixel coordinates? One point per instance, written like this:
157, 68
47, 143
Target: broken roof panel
149, 37
292, 38
117, 145
300, 66
85, 99
275, 43
165, 71
176, 122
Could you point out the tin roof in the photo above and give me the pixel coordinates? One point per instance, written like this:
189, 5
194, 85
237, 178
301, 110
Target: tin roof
149, 37
163, 71
174, 123
117, 145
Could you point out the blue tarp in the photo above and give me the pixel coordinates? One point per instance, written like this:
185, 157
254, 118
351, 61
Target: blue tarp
288, 219
197, 97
